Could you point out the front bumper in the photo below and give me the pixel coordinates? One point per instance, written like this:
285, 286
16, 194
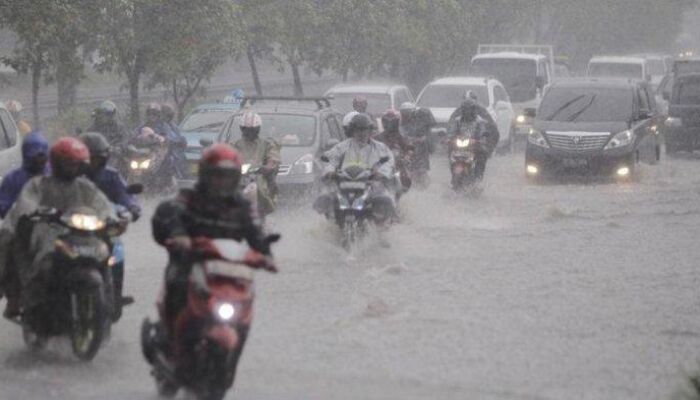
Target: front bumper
550, 162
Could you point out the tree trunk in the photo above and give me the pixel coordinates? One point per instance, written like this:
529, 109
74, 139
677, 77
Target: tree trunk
36, 81
134, 97
254, 70
298, 89
68, 73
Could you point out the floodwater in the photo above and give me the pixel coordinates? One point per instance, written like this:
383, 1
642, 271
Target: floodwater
567, 291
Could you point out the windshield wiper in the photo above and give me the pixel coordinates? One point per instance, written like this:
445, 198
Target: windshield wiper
579, 112
565, 106
205, 127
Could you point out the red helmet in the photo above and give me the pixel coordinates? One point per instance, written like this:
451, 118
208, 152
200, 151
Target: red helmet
359, 104
68, 158
219, 171
390, 120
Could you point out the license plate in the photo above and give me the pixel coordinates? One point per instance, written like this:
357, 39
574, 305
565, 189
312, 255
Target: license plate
230, 270
353, 185
575, 162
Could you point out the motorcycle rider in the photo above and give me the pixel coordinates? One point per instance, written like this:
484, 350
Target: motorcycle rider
33, 246
481, 111
176, 157
35, 151
15, 109
214, 208
359, 104
362, 150
111, 183
416, 124
105, 122
479, 129
264, 153
346, 123
398, 144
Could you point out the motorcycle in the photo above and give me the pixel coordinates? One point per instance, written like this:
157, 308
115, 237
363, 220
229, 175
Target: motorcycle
79, 297
212, 329
417, 166
262, 204
462, 156
146, 160
352, 209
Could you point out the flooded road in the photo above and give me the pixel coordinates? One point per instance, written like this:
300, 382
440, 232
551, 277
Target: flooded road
528, 292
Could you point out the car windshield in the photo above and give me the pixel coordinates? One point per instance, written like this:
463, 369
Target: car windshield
687, 92
204, 121
377, 103
615, 70
289, 130
516, 75
586, 104
450, 96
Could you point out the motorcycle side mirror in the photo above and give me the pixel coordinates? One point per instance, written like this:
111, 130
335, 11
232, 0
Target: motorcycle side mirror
275, 237
135, 188
384, 160
325, 159
206, 142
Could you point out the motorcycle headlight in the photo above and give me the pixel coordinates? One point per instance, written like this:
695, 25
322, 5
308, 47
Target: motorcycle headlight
145, 164
520, 119
304, 165
85, 222
537, 138
225, 311
245, 168
358, 204
620, 140
134, 165
462, 143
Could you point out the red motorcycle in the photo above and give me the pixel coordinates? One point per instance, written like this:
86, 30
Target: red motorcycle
210, 332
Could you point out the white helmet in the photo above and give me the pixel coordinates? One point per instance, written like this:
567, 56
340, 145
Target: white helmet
250, 119
13, 106
348, 117
407, 106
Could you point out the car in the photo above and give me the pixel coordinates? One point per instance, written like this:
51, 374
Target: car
304, 127
380, 97
444, 95
10, 143
680, 66
202, 124
633, 67
682, 127
524, 71
657, 68
595, 126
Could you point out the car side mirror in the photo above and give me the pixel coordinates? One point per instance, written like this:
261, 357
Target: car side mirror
325, 159
330, 143
530, 112
206, 142
134, 188
384, 160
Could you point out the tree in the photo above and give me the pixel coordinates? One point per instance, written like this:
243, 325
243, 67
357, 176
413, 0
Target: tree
256, 19
195, 39
127, 40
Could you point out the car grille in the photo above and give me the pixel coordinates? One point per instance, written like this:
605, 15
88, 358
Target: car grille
284, 169
577, 142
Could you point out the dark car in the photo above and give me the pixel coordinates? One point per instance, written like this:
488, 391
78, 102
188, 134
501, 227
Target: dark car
202, 123
304, 127
682, 127
595, 126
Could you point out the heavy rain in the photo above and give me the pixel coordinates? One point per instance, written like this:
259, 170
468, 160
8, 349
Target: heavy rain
349, 199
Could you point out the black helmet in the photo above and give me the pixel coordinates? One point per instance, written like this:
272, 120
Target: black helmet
99, 150
360, 122
468, 109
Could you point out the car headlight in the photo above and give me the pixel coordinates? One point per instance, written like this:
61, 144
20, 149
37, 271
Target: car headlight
225, 311
343, 203
134, 165
145, 164
537, 138
521, 119
85, 222
245, 168
304, 165
673, 122
620, 140
462, 143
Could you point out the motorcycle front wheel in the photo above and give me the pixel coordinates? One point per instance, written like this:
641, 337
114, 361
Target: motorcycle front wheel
351, 229
90, 319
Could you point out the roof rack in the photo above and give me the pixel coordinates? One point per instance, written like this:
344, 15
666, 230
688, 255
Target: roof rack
321, 102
